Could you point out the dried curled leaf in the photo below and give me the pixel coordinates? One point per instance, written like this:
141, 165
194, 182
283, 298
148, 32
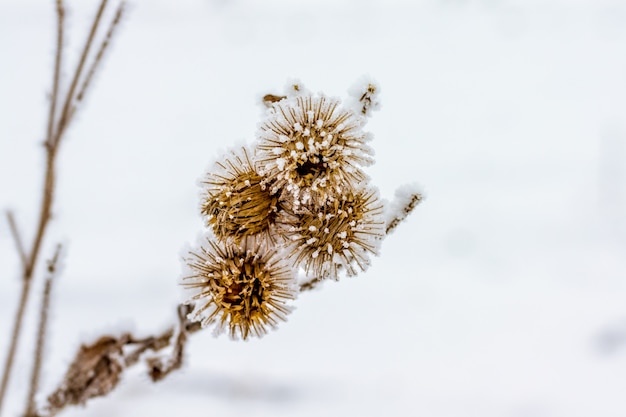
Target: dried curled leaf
94, 373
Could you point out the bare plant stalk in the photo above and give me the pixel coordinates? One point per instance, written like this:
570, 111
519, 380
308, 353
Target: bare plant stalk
17, 237
101, 51
270, 99
310, 284
31, 410
407, 207
54, 97
30, 259
97, 368
56, 127
17, 326
158, 368
68, 109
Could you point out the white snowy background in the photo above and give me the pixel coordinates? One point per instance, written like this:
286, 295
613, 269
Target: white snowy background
504, 295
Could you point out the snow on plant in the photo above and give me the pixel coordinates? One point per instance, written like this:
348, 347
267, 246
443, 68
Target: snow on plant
312, 149
290, 211
300, 192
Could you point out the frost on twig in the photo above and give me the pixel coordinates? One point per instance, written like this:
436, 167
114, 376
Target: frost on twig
364, 96
407, 198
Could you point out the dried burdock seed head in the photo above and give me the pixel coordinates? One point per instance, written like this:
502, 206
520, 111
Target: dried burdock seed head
342, 235
235, 200
311, 150
95, 371
240, 287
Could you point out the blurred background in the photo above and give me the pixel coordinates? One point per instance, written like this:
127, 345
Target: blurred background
504, 294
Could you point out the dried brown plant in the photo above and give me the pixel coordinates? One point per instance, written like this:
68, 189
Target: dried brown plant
236, 202
312, 149
242, 287
61, 111
339, 236
305, 192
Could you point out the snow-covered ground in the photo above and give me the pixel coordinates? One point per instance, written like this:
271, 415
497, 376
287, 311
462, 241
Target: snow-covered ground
500, 296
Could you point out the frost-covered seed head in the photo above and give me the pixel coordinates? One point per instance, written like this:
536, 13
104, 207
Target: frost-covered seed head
341, 238
310, 147
242, 288
235, 201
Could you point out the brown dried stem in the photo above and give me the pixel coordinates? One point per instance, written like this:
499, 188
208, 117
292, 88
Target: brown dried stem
17, 238
31, 259
68, 106
310, 284
409, 206
97, 368
158, 368
101, 51
270, 99
55, 130
58, 56
17, 326
41, 334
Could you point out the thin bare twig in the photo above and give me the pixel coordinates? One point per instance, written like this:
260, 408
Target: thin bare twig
159, 368
310, 284
157, 343
270, 99
67, 111
103, 47
153, 343
31, 409
58, 56
17, 326
17, 237
55, 130
29, 267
